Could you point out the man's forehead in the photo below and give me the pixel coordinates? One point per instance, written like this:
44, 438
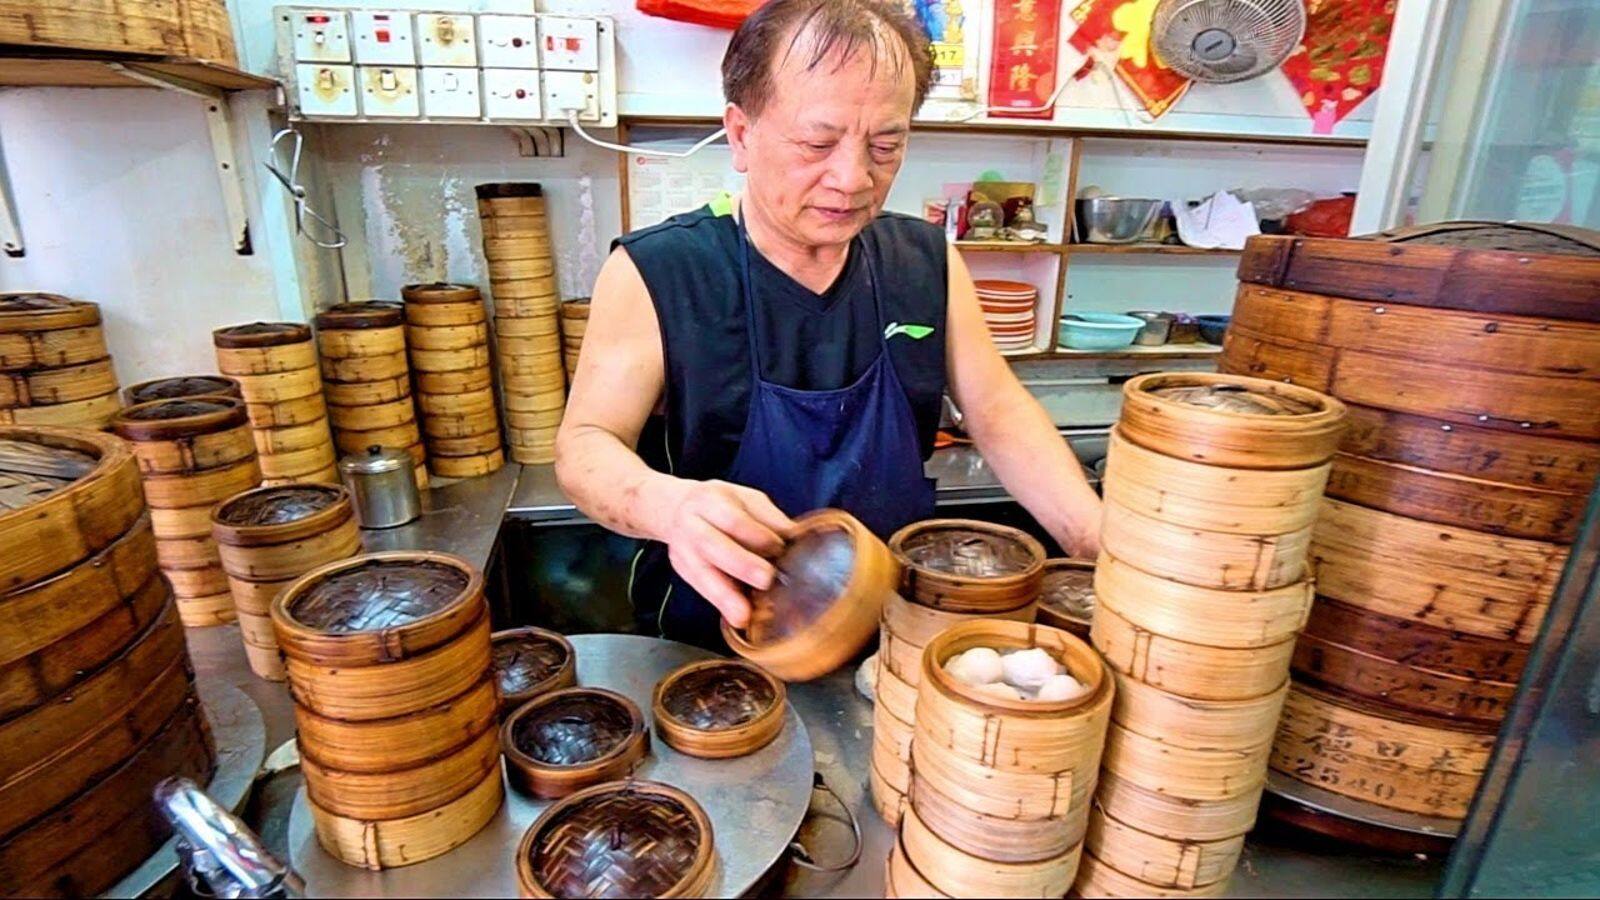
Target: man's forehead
807, 52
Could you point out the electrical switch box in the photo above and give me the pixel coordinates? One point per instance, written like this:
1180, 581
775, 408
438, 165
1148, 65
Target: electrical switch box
320, 35
508, 42
511, 94
325, 90
383, 38
389, 92
574, 91
450, 93
569, 43
445, 39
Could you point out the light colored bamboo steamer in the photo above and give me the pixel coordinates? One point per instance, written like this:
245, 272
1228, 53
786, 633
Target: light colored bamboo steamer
283, 413
402, 437
374, 416
187, 553
957, 873
330, 475
279, 533
176, 386
517, 269
895, 694
552, 383
358, 394
470, 445
255, 598
27, 311
403, 743
532, 438
192, 521
68, 384
1158, 414
527, 287
533, 455
257, 629
536, 401
449, 360
466, 466
1007, 838
463, 404
1160, 861
457, 382
1204, 558
438, 293
443, 315
1206, 775
1197, 671
399, 842
549, 418
1195, 724
525, 326
201, 581
361, 693
439, 425
993, 792
289, 438
1096, 879
892, 738
515, 225
1175, 818
901, 878
532, 373
204, 611
964, 565
298, 464
186, 435
494, 202
355, 343
266, 662
1210, 497
1216, 618
449, 337
201, 488
95, 412
278, 387
888, 802
396, 794
500, 250
575, 311
365, 368
253, 361
908, 627
25, 350
514, 306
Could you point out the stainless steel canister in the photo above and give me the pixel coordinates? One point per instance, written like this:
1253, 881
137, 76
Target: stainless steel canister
1157, 326
383, 484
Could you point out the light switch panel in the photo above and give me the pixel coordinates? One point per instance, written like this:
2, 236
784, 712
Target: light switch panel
446, 39
320, 35
383, 38
450, 93
565, 91
389, 92
508, 42
325, 90
569, 43
511, 94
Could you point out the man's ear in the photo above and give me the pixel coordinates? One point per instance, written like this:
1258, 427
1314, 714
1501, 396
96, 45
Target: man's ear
738, 124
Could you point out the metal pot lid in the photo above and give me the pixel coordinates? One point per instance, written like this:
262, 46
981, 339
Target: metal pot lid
375, 460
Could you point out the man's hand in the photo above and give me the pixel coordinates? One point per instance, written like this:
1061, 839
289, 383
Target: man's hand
720, 536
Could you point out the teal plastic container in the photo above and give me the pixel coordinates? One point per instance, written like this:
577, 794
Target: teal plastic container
1098, 331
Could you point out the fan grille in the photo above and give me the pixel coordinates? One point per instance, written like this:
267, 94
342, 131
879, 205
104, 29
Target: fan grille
1222, 41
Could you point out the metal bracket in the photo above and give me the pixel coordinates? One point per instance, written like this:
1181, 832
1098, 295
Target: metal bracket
539, 140
219, 121
10, 230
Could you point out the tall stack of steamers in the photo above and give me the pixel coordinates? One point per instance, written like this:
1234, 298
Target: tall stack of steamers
54, 366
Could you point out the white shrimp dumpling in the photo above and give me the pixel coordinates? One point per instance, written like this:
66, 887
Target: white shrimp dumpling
977, 666
1029, 669
1061, 687
1000, 690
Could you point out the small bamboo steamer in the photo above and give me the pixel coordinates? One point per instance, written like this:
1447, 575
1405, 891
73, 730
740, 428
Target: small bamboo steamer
548, 400
839, 630
1160, 861
449, 337
749, 729
186, 435
466, 466
204, 611
365, 368
511, 198
501, 249
173, 387
908, 627
696, 873
463, 404
519, 305
1211, 497
524, 326
536, 455
448, 360
889, 803
396, 794
1070, 614
68, 384
1175, 818
552, 382
188, 522
442, 425
1195, 724
278, 387
553, 668
532, 438
550, 418
266, 662
895, 695
1215, 618
255, 598
1029, 737
402, 744
891, 750
454, 382
901, 879
299, 465
200, 583
957, 592
400, 437
515, 226
1233, 562
1197, 671
22, 312
201, 488
187, 553
469, 445
443, 315
1206, 775
95, 412
375, 415
330, 475
1183, 430
1008, 838
277, 534
54, 349
547, 779
360, 329
956, 873
1096, 879
531, 370
439, 292
267, 360
516, 269
290, 438
283, 413
993, 792
361, 693
358, 394
390, 843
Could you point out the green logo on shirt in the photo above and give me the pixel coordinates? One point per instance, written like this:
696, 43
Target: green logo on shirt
915, 332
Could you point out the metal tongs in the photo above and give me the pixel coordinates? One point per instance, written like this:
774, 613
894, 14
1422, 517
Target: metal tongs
221, 856
290, 181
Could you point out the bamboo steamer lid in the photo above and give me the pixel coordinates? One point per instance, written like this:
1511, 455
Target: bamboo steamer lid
443, 315
440, 292
181, 386
531, 661
361, 316
1230, 420
404, 841
256, 335
30, 311
186, 434
656, 839
954, 872
718, 709
826, 607
1066, 596
90, 496
963, 565
568, 739
288, 519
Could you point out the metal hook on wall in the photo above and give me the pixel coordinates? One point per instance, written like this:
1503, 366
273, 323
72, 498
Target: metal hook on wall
290, 181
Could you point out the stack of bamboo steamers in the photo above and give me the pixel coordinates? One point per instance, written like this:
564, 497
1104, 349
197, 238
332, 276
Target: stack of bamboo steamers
447, 340
1212, 484
54, 366
1469, 356
98, 703
276, 366
367, 380
528, 343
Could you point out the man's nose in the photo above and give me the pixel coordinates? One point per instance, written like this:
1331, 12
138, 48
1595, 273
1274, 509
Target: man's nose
849, 170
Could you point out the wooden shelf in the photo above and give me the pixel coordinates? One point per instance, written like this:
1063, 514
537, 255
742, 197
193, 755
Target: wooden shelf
1173, 249
1163, 351
1009, 247
30, 69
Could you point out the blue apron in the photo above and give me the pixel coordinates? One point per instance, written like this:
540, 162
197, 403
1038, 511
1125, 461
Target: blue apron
854, 448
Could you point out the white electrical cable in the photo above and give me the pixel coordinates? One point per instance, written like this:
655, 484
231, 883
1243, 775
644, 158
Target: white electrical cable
572, 122
1047, 106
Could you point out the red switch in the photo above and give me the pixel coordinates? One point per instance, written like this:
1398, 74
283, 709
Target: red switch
382, 34
573, 45
522, 94
516, 42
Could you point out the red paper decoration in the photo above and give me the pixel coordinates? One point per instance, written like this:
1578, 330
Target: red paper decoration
1123, 27
715, 13
1022, 72
1339, 63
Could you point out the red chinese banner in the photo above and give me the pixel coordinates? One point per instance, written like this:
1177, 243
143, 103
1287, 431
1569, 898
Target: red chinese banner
1339, 63
1123, 27
715, 13
1022, 74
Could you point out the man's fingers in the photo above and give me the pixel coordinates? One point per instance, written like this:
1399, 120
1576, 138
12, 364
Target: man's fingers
715, 586
725, 553
761, 507
732, 519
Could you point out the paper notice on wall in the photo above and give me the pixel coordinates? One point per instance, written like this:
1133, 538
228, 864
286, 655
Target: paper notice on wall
1220, 222
661, 187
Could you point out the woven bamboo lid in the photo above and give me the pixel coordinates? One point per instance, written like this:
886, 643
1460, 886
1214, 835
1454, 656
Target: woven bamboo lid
279, 513
165, 420
365, 314
1231, 420
964, 565
181, 386
529, 662
625, 839
440, 292
718, 708
1066, 595
569, 739
260, 334
34, 311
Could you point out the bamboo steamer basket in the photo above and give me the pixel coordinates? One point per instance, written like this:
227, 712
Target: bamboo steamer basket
1067, 596
718, 709
1205, 559
365, 368
1196, 671
1208, 616
889, 803
531, 661
524, 327
260, 644
204, 611
44, 387
954, 872
798, 639
374, 416
463, 404
569, 739
276, 534
444, 315
1195, 724
52, 349
200, 488
1175, 818
403, 744
330, 475
178, 386
23, 312
1288, 427
1206, 775
189, 522
357, 394
458, 382
186, 435
95, 412
50, 523
396, 793
284, 413
449, 337
390, 843
466, 466
402, 437
1096, 879
531, 225
369, 328
447, 360
963, 565
263, 348
901, 878
510, 198
656, 838
1402, 761
548, 400
438, 293
307, 464
1210, 497
516, 269
1007, 838
520, 302
187, 553
544, 419
895, 694
501, 249
446, 425
277, 387
531, 370
891, 749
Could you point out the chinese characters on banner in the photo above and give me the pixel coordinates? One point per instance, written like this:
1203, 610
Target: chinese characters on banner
1339, 62
946, 24
1022, 74
1123, 27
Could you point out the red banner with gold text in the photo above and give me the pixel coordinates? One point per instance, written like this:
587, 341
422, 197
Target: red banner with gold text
1022, 74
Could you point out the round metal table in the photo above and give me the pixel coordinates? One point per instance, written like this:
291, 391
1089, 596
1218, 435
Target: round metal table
755, 802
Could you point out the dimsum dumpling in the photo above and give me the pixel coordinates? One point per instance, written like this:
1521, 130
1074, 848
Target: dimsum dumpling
1061, 687
977, 666
1001, 690
1029, 669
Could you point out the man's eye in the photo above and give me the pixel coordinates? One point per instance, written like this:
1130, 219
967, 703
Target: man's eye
885, 149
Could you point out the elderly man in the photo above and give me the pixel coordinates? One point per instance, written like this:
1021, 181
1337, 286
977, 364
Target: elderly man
797, 343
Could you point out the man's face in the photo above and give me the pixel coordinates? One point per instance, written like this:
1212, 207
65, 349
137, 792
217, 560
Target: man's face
821, 157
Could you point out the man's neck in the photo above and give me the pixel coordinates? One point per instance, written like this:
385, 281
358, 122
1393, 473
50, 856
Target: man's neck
816, 266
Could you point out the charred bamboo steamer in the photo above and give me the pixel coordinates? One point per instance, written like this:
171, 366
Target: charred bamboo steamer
179, 386
186, 435
1097, 879
654, 839
388, 661
823, 614
718, 709
54, 365
531, 661
953, 872
1230, 420
266, 538
276, 366
963, 565
569, 739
